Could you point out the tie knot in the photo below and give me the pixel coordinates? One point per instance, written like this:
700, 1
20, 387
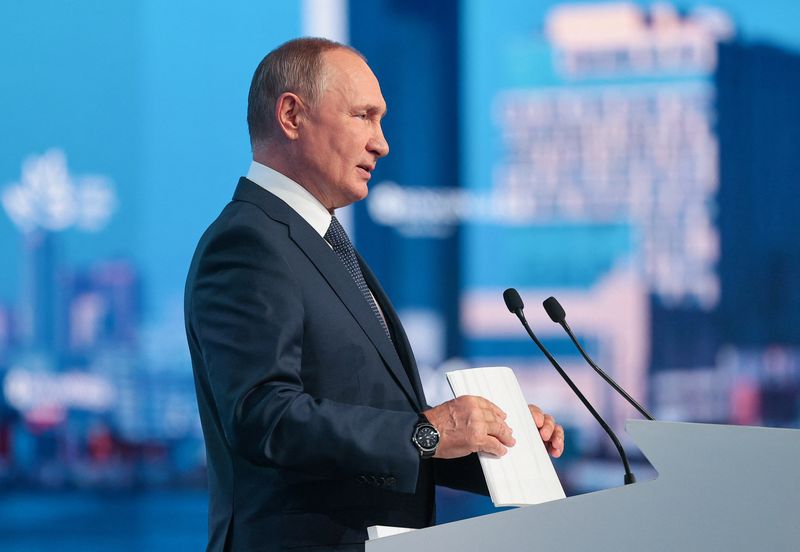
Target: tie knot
336, 236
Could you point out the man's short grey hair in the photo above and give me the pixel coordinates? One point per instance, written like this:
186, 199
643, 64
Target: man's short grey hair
295, 66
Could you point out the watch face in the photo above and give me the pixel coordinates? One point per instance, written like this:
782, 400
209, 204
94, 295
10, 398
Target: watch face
427, 437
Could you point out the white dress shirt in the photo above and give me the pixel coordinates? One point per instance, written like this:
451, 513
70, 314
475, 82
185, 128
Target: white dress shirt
293, 194
299, 199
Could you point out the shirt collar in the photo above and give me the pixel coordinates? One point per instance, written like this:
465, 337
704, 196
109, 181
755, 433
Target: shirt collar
293, 194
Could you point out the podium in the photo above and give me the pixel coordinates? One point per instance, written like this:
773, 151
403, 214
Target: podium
719, 488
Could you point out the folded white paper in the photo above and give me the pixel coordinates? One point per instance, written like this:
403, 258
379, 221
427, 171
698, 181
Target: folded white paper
525, 475
380, 531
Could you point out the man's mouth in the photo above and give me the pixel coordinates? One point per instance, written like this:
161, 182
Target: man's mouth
367, 169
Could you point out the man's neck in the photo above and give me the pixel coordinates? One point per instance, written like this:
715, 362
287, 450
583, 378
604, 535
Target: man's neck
286, 162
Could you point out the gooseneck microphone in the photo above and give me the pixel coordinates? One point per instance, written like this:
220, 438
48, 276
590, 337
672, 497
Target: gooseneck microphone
515, 305
556, 313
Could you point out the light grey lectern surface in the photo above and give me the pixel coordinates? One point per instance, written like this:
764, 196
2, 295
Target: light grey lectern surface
720, 488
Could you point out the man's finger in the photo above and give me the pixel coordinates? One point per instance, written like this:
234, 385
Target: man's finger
547, 428
493, 408
490, 416
493, 446
556, 445
503, 433
538, 416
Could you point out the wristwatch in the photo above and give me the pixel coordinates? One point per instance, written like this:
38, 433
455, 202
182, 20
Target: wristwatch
425, 438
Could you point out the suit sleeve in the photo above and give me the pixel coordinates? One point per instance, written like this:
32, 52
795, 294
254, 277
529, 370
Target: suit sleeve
463, 473
246, 313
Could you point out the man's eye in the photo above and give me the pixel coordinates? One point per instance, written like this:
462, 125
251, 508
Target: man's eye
362, 115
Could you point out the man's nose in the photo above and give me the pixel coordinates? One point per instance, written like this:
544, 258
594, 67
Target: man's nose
378, 144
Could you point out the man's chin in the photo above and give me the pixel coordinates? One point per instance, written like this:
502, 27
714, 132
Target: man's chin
353, 196
358, 193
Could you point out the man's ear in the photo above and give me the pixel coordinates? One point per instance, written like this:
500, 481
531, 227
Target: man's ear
288, 112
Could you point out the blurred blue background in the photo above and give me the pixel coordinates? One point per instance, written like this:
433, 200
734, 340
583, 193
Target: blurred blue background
637, 160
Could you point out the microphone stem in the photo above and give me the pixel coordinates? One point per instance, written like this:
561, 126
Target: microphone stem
629, 477
605, 376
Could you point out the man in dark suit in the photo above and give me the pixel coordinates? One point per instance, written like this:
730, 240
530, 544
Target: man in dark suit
314, 418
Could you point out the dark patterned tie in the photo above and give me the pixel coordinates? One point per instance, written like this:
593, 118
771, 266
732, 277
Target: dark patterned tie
337, 237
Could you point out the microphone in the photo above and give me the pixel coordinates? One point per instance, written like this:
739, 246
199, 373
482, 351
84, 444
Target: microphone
515, 305
556, 313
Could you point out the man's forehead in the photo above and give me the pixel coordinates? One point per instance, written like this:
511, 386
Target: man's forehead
340, 56
348, 73
348, 66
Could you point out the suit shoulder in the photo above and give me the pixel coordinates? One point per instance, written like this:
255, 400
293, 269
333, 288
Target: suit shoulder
242, 216
242, 221
242, 231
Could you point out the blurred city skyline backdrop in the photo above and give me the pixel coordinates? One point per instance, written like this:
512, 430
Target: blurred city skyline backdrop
637, 160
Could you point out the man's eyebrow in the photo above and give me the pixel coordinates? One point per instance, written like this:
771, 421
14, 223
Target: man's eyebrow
372, 109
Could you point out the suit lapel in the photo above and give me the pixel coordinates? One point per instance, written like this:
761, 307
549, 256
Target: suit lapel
332, 269
401, 343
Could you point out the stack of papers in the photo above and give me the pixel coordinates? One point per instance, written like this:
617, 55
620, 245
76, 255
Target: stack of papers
525, 475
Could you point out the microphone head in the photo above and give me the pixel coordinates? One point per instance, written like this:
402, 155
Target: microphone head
513, 300
554, 310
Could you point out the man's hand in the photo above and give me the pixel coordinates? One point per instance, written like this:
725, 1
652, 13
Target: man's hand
551, 432
470, 424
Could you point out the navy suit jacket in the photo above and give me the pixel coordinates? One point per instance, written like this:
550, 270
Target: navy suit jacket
307, 408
